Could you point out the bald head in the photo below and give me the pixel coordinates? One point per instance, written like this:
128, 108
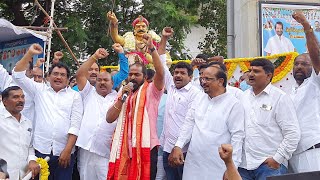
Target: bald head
37, 74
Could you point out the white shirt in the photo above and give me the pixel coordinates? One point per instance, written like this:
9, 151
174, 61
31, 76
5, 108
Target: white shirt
95, 134
5, 82
235, 91
16, 148
272, 128
177, 104
278, 45
5, 79
57, 114
306, 99
28, 109
208, 124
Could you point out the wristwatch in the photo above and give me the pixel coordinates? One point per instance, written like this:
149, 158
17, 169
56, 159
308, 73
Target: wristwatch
152, 49
310, 30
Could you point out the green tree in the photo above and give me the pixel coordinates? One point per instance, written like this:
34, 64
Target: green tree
214, 18
87, 23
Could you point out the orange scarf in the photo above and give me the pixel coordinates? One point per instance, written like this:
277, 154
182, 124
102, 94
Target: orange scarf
133, 121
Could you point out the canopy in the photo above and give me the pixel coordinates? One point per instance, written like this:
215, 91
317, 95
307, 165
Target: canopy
9, 32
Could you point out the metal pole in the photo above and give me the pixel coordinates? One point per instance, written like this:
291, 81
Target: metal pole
230, 29
50, 35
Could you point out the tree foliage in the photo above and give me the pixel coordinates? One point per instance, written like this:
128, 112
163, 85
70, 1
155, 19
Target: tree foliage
214, 18
87, 24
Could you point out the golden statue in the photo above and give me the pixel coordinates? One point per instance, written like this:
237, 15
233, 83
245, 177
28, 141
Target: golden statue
132, 41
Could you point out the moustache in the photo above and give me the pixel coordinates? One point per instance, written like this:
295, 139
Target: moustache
103, 86
134, 81
141, 31
20, 104
93, 75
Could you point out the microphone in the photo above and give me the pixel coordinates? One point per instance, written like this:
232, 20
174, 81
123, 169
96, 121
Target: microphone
126, 94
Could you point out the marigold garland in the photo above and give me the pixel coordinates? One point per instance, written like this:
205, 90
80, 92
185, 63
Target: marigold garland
283, 64
44, 172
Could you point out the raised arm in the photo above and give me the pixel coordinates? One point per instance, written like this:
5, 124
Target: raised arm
312, 42
159, 75
114, 28
23, 64
58, 55
167, 32
124, 66
225, 152
82, 72
19, 75
5, 78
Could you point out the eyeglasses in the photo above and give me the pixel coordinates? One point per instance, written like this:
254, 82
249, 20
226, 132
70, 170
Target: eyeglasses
55, 74
206, 79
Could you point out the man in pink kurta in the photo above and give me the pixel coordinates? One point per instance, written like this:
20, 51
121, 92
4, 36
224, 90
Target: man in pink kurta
134, 150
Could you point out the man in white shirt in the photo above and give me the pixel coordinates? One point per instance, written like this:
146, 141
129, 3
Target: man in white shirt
15, 139
278, 43
305, 96
238, 93
181, 94
6, 81
58, 118
272, 129
216, 117
95, 135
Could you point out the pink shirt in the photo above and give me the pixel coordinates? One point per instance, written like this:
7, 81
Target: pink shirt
152, 103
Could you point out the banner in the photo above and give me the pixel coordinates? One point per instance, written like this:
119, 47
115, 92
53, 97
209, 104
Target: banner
280, 33
12, 51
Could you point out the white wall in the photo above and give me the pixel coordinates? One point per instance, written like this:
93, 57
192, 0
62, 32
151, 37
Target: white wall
192, 40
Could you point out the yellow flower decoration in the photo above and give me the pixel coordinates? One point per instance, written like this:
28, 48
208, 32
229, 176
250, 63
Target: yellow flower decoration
231, 67
176, 61
44, 172
280, 72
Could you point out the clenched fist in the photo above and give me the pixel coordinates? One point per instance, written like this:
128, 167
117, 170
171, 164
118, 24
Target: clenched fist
147, 39
299, 17
167, 32
39, 62
58, 55
35, 49
112, 18
118, 48
101, 53
225, 152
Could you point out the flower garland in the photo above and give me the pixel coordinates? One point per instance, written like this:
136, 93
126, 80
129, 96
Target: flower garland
130, 41
231, 67
44, 172
177, 61
283, 64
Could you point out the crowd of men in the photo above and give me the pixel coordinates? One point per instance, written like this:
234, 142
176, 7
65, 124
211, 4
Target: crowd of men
160, 125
